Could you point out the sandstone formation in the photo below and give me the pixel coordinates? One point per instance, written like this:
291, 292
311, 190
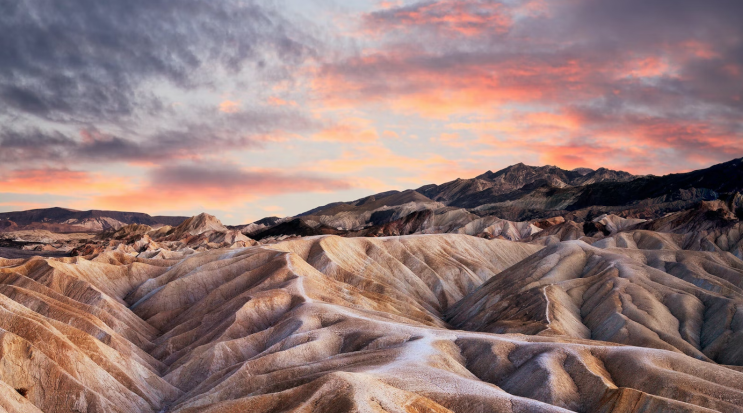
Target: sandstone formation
680, 301
199, 233
528, 289
399, 324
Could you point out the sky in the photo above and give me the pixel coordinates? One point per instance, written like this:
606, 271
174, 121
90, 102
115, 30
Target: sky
246, 109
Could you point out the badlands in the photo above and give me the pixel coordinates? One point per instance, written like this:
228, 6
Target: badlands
414, 301
418, 323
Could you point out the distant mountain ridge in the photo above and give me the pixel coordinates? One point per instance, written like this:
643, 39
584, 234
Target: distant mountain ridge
522, 193
482, 189
518, 193
460, 192
69, 220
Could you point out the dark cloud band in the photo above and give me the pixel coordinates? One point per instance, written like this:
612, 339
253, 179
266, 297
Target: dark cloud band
88, 60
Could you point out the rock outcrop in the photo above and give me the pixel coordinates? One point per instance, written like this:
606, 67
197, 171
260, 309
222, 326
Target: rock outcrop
331, 324
64, 220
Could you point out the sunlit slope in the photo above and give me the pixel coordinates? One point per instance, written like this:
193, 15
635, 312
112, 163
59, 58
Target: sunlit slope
684, 301
328, 324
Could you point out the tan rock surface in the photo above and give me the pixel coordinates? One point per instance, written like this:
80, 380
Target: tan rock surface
329, 324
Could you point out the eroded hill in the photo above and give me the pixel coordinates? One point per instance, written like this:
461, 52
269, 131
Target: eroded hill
398, 324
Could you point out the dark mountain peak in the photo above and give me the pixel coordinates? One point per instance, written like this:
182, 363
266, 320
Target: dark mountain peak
364, 201
268, 221
509, 170
604, 174
70, 220
297, 227
722, 177
404, 197
583, 171
540, 183
735, 164
738, 162
53, 209
516, 167
425, 188
372, 202
380, 196
605, 170
372, 198
322, 208
489, 186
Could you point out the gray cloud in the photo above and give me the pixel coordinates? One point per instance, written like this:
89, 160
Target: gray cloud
594, 34
195, 177
88, 60
235, 131
578, 55
94, 81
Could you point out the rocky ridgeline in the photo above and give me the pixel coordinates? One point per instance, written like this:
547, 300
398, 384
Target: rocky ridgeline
199, 233
196, 234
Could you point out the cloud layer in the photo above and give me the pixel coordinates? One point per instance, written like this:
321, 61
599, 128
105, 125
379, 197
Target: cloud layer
651, 78
88, 60
220, 187
181, 105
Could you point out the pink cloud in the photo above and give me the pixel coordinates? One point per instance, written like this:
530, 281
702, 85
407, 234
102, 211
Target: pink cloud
190, 186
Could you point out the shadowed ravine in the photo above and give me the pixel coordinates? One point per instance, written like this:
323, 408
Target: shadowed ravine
401, 324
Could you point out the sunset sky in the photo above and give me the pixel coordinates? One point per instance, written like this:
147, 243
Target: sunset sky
246, 109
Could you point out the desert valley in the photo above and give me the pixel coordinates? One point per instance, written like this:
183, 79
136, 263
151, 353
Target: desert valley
371, 206
528, 289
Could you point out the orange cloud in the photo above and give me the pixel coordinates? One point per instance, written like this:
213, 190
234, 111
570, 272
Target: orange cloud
647, 67
389, 4
373, 184
463, 17
552, 120
409, 170
20, 206
570, 156
272, 208
349, 130
522, 127
229, 106
589, 98
400, 82
701, 50
627, 142
533, 8
376, 156
733, 70
452, 139
188, 187
276, 101
444, 173
60, 182
169, 199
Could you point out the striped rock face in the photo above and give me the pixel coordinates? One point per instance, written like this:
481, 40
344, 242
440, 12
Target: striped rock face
420, 323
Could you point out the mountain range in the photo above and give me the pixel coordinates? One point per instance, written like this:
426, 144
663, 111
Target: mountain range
516, 193
521, 193
426, 323
65, 220
603, 292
